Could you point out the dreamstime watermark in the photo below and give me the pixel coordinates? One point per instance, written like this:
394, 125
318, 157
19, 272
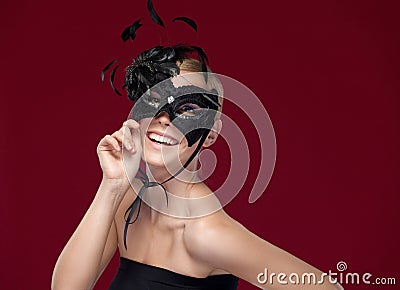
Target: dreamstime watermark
333, 277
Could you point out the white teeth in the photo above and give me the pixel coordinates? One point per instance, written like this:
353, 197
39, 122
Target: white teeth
162, 139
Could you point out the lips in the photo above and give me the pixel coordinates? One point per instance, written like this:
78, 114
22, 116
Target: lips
160, 138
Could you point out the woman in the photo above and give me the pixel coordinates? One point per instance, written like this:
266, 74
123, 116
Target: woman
160, 250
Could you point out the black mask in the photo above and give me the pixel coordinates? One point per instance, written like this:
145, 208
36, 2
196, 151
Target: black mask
191, 109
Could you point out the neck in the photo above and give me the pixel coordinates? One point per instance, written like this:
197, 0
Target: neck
188, 196
178, 185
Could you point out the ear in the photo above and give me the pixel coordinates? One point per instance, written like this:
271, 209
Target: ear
213, 134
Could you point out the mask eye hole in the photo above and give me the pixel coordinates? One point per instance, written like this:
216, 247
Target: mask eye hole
153, 99
189, 110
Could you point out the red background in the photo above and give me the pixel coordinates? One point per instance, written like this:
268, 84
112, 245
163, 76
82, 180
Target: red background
327, 72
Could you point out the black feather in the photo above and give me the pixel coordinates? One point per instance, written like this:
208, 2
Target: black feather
182, 51
112, 80
153, 14
126, 33
168, 68
106, 68
186, 20
200, 52
163, 55
135, 26
203, 60
130, 31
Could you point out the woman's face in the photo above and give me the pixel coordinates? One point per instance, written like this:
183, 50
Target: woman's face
163, 144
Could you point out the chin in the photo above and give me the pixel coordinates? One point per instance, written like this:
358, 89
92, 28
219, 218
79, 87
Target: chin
159, 157
154, 161
163, 161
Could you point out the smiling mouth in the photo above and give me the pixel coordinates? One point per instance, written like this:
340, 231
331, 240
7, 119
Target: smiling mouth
162, 139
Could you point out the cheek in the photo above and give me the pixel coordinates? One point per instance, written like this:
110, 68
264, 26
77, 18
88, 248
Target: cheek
178, 153
144, 123
185, 151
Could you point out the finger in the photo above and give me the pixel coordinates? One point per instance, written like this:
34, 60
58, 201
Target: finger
130, 123
127, 138
136, 139
109, 141
122, 138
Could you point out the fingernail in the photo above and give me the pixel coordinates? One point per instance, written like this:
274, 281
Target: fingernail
129, 147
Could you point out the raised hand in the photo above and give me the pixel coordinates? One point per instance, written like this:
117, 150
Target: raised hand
120, 154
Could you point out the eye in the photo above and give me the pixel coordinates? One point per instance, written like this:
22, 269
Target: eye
189, 110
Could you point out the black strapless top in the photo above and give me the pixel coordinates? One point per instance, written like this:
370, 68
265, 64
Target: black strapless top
133, 275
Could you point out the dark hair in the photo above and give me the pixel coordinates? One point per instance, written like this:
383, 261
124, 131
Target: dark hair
157, 64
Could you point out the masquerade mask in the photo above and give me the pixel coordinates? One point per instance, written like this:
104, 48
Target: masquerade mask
191, 109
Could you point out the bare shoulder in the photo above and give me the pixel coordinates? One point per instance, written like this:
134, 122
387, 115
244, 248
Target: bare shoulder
216, 238
208, 238
223, 243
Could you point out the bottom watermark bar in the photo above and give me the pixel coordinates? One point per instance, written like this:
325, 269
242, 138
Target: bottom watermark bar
333, 278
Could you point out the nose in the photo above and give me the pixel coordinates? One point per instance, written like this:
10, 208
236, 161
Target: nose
163, 118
